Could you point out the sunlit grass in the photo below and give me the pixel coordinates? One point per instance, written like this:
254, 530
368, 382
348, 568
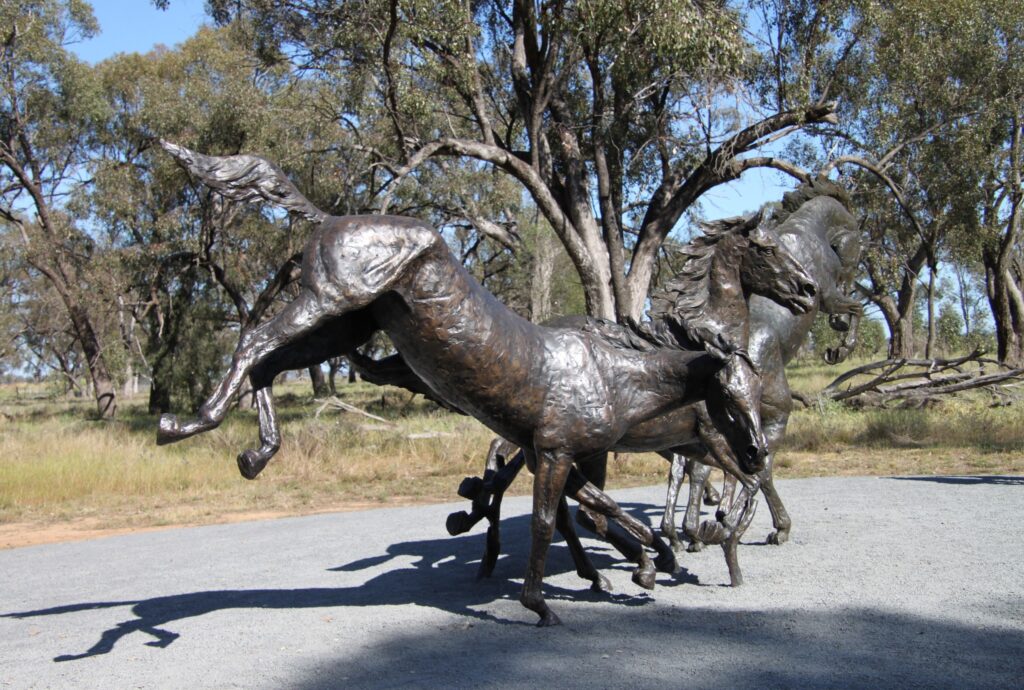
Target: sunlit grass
58, 464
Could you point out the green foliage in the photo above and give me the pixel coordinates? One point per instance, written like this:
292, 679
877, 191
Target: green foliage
871, 339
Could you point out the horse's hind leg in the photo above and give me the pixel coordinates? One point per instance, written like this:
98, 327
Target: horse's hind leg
302, 315
584, 566
603, 516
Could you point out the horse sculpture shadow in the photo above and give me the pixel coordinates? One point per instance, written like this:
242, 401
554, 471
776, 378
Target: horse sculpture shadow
442, 575
1006, 480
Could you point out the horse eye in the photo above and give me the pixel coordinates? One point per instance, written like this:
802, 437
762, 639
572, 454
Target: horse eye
768, 251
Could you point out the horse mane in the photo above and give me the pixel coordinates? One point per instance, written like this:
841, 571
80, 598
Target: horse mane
836, 234
817, 187
678, 310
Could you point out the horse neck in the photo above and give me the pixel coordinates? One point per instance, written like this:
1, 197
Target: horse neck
726, 302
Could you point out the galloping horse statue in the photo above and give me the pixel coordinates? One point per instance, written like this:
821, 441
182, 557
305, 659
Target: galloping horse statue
560, 394
723, 268
815, 225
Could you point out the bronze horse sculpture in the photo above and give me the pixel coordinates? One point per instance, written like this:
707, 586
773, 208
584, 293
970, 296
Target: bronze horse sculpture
561, 394
723, 268
816, 225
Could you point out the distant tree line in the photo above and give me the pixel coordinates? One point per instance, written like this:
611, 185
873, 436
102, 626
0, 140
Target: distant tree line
563, 148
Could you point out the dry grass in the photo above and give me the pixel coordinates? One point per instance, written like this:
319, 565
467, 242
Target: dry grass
57, 466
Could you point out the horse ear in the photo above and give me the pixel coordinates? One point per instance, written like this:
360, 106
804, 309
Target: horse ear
753, 222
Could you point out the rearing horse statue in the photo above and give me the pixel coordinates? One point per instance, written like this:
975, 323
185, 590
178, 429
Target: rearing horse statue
561, 394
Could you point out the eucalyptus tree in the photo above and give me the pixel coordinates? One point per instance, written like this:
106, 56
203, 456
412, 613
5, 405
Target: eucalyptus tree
609, 115
918, 85
194, 268
50, 107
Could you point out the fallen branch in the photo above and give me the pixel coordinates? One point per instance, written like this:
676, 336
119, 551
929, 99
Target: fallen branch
337, 403
919, 382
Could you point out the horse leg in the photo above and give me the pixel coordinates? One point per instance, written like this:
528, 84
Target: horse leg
627, 534
552, 469
699, 473
480, 491
333, 339
299, 317
676, 474
500, 481
618, 533
725, 502
711, 495
780, 517
584, 566
730, 544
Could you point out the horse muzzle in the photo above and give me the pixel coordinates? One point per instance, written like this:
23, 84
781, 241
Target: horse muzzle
804, 299
754, 459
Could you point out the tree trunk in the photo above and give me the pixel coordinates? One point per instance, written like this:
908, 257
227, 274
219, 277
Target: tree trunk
901, 326
543, 270
333, 365
159, 395
929, 348
1007, 304
320, 388
102, 382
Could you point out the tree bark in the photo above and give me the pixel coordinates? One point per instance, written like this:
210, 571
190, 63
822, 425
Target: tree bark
320, 387
543, 271
1007, 304
929, 347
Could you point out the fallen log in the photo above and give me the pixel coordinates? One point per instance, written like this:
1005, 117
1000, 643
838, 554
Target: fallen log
919, 382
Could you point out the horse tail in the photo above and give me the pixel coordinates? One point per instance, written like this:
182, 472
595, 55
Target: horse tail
246, 178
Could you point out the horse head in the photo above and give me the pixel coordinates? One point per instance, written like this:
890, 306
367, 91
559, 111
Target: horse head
734, 407
771, 270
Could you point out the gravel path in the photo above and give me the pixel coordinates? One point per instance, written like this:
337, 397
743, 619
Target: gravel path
898, 582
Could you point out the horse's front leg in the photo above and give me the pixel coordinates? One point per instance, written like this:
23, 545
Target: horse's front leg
780, 516
676, 474
698, 473
729, 525
301, 316
252, 461
552, 469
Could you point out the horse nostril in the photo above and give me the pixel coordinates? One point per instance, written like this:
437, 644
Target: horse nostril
810, 289
755, 459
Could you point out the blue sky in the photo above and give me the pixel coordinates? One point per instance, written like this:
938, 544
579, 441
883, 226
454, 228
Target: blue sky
128, 26
135, 26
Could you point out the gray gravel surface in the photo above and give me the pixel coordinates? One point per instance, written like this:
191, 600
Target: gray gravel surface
895, 582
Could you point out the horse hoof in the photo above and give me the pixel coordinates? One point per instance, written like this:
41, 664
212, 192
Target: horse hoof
458, 523
778, 538
712, 532
644, 577
471, 487
601, 584
548, 619
168, 430
250, 464
695, 547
